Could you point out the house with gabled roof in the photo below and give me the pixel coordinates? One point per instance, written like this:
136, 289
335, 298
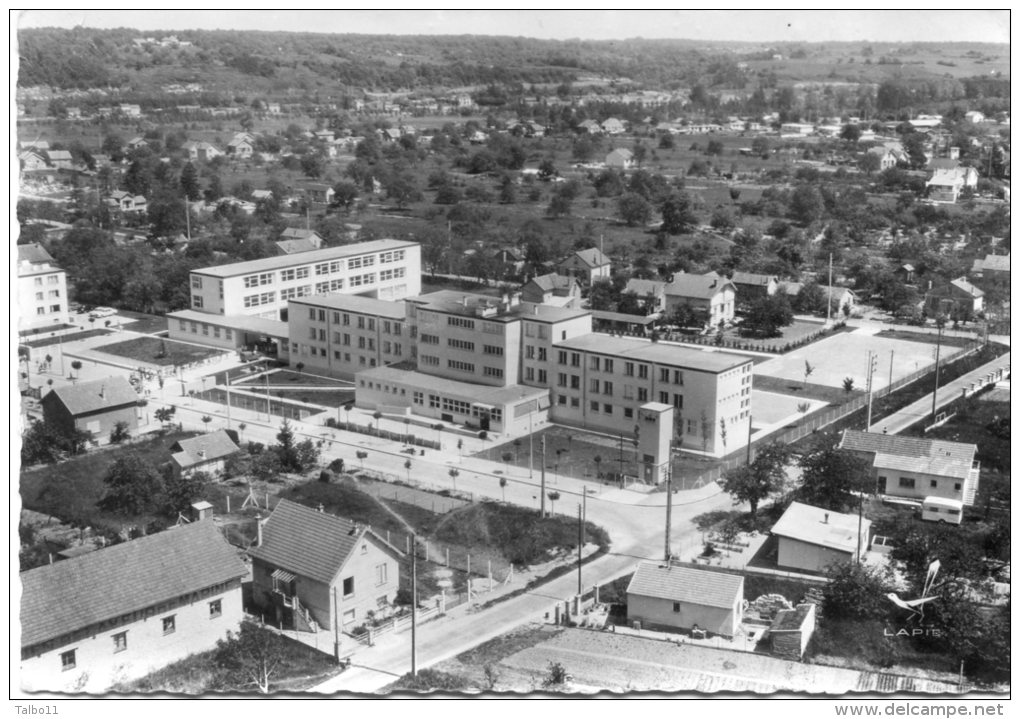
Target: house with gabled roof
92, 406
32, 160
992, 267
552, 289
812, 538
649, 292
206, 453
312, 571
662, 596
752, 286
511, 259
915, 467
586, 266
621, 158
122, 612
201, 151
295, 239
956, 298
241, 145
613, 126
712, 297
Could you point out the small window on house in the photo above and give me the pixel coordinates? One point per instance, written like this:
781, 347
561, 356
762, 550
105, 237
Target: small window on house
933, 483
364, 548
381, 602
380, 574
68, 660
119, 642
170, 624
676, 607
349, 587
215, 608
958, 486
907, 482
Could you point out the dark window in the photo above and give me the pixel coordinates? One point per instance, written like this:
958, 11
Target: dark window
170, 624
119, 642
215, 608
676, 606
349, 586
934, 483
907, 482
68, 660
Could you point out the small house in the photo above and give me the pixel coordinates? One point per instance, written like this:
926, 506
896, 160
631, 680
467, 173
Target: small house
679, 597
711, 297
61, 159
586, 266
510, 259
92, 406
651, 294
992, 267
241, 147
206, 453
312, 571
320, 192
552, 289
620, 159
294, 240
752, 287
613, 126
812, 538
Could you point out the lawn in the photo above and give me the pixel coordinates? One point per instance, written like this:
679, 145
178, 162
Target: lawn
323, 397
929, 338
146, 324
61, 339
69, 490
983, 423
797, 388
302, 379
155, 350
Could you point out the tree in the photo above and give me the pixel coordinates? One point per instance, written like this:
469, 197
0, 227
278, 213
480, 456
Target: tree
555, 677
722, 219
502, 486
165, 415
806, 204
403, 189
856, 591
407, 466
206, 419
506, 457
76, 366
553, 496
119, 433
870, 163
811, 298
848, 384
761, 147
181, 491
377, 415
547, 169
598, 464
286, 450
133, 487
361, 455
830, 476
251, 656
634, 209
189, 183
808, 371
345, 195
678, 214
454, 473
850, 133
765, 475
313, 164
766, 315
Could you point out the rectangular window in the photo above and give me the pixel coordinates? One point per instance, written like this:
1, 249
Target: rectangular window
664, 397
575, 359
628, 412
349, 616
594, 386
170, 624
678, 377
493, 372
68, 660
349, 587
460, 344
542, 354
607, 388
678, 401
429, 360
529, 352
642, 371
562, 357
594, 406
642, 394
561, 380
460, 322
380, 574
529, 374
607, 408
663, 374
460, 366
489, 349
607, 365
575, 382
676, 607
933, 483
907, 482
196, 282
562, 399
119, 642
593, 363
543, 378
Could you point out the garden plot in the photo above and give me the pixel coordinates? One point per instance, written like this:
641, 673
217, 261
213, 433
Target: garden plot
770, 410
846, 355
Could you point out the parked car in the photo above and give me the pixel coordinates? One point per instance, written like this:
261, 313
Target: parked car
100, 312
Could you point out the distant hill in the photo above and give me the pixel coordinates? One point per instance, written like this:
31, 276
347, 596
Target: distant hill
288, 63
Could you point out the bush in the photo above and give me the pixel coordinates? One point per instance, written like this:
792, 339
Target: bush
325, 476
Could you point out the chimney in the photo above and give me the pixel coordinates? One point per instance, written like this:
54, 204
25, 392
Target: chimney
464, 301
102, 390
536, 310
258, 530
826, 521
321, 508
201, 453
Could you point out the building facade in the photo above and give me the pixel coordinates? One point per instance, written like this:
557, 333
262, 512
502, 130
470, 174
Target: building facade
677, 597
106, 617
95, 407
42, 289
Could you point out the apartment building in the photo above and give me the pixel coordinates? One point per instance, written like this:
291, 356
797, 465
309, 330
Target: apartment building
341, 335
385, 269
42, 289
600, 381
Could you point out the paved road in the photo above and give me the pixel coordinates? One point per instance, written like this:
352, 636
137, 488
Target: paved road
921, 409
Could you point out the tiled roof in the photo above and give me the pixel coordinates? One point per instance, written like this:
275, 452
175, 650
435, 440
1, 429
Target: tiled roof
60, 598
999, 263
107, 393
552, 281
750, 278
698, 286
293, 247
825, 528
592, 257
964, 286
859, 441
310, 543
684, 584
297, 233
215, 445
34, 253
644, 287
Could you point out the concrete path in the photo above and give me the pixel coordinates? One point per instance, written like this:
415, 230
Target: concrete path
921, 409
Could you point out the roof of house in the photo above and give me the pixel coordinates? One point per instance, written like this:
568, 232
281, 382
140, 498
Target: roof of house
298, 233
310, 543
964, 286
943, 163
592, 257
750, 278
34, 253
76, 593
908, 267
552, 281
996, 263
293, 247
685, 584
638, 349
622, 317
621, 152
204, 448
59, 155
108, 393
645, 287
929, 456
698, 286
814, 525
280, 263
513, 253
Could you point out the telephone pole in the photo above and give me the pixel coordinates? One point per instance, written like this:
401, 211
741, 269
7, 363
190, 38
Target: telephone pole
935, 391
580, 547
414, 606
669, 501
872, 365
542, 488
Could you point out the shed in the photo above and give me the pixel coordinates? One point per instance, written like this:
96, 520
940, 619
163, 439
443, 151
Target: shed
813, 538
791, 631
682, 597
92, 406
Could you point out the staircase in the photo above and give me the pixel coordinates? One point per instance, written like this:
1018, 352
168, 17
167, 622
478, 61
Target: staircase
970, 488
303, 621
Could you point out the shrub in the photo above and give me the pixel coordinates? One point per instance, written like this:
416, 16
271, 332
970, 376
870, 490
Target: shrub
325, 476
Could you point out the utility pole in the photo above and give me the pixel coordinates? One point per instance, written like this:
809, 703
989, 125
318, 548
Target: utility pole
938, 348
543, 477
226, 377
892, 356
669, 501
187, 217
750, 419
414, 606
860, 520
828, 298
872, 364
531, 447
336, 625
580, 546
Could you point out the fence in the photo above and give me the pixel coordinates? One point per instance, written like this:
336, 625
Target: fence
438, 504
383, 433
256, 403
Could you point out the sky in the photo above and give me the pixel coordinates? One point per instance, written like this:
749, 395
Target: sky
719, 25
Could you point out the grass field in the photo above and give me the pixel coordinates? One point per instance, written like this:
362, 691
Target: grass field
792, 388
69, 490
66, 338
149, 349
146, 325
303, 379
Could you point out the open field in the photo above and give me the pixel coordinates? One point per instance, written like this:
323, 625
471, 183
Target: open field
845, 355
159, 351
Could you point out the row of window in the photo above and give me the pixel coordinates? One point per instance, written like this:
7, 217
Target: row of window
52, 294
42, 310
911, 483
227, 333
391, 256
460, 366
529, 353
392, 274
460, 344
359, 280
264, 298
329, 268
50, 280
69, 659
295, 273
